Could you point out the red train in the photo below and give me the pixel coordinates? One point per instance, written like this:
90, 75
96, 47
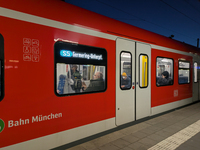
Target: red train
68, 73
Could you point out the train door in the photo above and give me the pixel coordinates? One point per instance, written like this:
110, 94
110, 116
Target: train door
133, 101
125, 95
195, 79
143, 80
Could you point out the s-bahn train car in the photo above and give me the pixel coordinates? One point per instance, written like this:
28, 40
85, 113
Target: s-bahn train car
68, 73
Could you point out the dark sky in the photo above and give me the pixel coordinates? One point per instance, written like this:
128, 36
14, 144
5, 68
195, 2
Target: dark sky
166, 17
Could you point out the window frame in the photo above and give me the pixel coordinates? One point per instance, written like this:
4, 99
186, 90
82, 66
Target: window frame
2, 66
194, 72
59, 45
184, 69
121, 70
147, 70
173, 71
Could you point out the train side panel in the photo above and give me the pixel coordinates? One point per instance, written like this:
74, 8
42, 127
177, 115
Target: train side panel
29, 84
32, 111
165, 96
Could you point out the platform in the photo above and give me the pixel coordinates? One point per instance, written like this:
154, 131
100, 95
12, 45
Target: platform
178, 129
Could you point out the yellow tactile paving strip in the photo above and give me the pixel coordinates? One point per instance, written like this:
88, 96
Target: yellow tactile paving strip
174, 141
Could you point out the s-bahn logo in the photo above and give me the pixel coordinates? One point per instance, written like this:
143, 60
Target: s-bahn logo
2, 125
66, 53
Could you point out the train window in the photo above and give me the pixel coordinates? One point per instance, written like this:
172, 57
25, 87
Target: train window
79, 69
143, 60
184, 72
195, 72
164, 71
126, 70
2, 67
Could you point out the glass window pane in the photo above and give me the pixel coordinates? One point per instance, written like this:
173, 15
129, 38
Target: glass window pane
184, 72
143, 70
126, 71
164, 71
195, 72
184, 76
73, 78
183, 64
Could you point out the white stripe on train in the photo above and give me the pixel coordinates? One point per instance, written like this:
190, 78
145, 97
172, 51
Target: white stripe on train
64, 26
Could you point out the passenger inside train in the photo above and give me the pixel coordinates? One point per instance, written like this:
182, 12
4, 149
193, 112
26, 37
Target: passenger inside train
97, 84
125, 69
125, 81
164, 72
76, 79
73, 78
164, 79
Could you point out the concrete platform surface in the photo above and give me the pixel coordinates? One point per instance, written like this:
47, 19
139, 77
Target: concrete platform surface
178, 129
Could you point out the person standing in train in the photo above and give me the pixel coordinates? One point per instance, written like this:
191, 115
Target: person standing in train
76, 79
125, 81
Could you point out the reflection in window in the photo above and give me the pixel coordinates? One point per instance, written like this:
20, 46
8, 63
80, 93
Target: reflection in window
73, 78
164, 71
126, 71
143, 70
184, 72
195, 72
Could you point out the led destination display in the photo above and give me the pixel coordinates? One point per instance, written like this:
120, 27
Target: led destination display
74, 54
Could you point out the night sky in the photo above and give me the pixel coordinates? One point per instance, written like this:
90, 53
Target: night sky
180, 18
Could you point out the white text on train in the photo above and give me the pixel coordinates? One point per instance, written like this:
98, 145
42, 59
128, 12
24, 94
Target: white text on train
34, 119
